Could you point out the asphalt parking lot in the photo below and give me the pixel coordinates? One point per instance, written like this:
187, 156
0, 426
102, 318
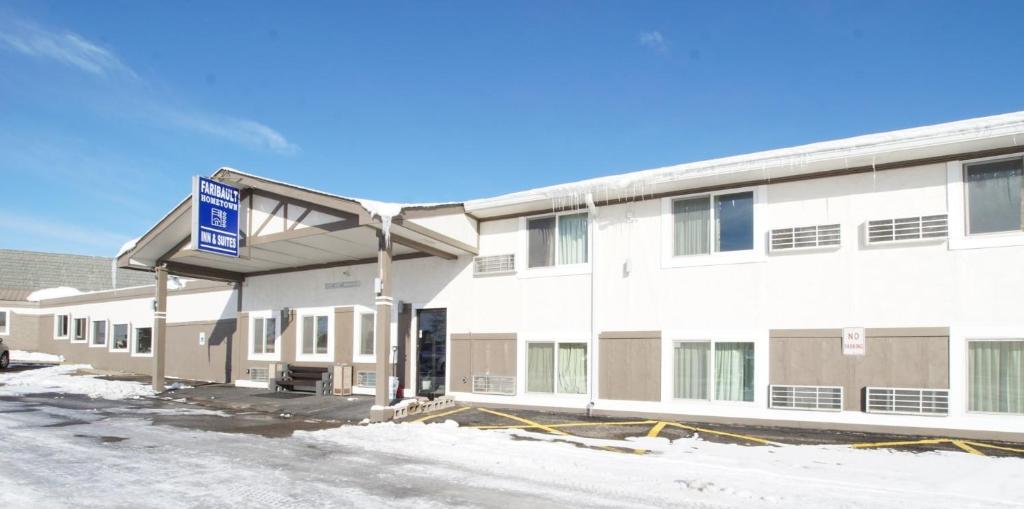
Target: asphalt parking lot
618, 428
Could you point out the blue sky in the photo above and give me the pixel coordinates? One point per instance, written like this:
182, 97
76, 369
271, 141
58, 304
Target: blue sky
108, 108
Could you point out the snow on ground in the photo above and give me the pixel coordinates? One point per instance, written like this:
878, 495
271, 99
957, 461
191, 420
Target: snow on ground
61, 379
23, 356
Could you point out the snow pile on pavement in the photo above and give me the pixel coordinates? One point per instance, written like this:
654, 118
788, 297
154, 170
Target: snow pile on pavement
23, 356
61, 379
693, 472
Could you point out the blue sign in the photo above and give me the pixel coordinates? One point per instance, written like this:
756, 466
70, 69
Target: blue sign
214, 217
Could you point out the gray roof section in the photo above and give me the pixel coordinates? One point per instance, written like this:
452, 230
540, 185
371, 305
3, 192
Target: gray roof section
32, 270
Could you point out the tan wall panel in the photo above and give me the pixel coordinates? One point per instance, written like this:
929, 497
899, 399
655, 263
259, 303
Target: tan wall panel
240, 349
910, 361
630, 368
25, 331
461, 369
186, 358
343, 324
481, 354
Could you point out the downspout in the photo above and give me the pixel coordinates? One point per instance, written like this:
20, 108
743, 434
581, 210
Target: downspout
592, 208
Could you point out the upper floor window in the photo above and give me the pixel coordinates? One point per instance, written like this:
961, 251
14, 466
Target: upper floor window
557, 240
993, 195
713, 224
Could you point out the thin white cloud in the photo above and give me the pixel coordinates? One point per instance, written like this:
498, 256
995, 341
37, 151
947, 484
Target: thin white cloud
74, 50
28, 226
654, 41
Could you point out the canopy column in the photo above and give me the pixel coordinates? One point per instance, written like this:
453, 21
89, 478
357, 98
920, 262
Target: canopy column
384, 303
159, 338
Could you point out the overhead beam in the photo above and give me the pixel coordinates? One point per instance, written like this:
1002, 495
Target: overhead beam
189, 270
299, 233
419, 246
331, 265
440, 237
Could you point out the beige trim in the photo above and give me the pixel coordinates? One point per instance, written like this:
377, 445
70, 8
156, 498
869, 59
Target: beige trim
484, 336
197, 286
901, 332
651, 334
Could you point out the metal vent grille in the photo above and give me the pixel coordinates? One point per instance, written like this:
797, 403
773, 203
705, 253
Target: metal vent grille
908, 228
489, 384
807, 397
890, 400
805, 237
496, 264
259, 374
366, 379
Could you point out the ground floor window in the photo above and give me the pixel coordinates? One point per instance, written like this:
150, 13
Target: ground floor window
81, 327
4, 318
119, 337
99, 333
61, 324
264, 335
366, 334
996, 376
144, 340
314, 335
724, 369
557, 368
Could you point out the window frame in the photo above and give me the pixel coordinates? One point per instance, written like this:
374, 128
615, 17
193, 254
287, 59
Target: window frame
357, 335
6, 330
958, 208
106, 333
981, 338
556, 344
110, 340
711, 381
73, 330
300, 325
133, 342
251, 336
756, 254
523, 268
56, 327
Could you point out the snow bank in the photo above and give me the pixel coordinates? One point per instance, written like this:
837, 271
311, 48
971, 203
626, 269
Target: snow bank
53, 293
60, 379
691, 472
23, 356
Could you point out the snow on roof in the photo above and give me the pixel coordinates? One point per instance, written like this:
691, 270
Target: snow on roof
127, 246
53, 293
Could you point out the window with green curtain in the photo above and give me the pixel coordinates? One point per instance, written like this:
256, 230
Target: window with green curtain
540, 367
994, 196
734, 371
996, 376
541, 233
572, 239
692, 218
366, 324
691, 370
572, 368
307, 334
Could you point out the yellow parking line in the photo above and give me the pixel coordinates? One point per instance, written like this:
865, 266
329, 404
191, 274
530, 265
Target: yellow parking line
929, 441
450, 412
968, 448
724, 434
563, 425
549, 429
997, 447
656, 429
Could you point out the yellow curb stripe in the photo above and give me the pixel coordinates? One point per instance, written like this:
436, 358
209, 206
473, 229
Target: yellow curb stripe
549, 429
997, 447
450, 412
930, 441
965, 447
656, 429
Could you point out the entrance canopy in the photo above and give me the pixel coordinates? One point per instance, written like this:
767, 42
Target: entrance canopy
287, 228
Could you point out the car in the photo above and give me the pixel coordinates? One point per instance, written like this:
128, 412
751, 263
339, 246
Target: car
5, 355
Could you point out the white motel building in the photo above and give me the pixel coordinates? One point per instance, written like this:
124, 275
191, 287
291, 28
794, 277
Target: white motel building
872, 283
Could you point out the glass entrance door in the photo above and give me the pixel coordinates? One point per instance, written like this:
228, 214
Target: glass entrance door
431, 350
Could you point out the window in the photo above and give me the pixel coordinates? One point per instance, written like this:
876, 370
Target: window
996, 376
557, 368
99, 333
61, 323
5, 317
80, 326
264, 336
717, 223
143, 341
366, 333
119, 337
727, 374
557, 240
993, 198
315, 337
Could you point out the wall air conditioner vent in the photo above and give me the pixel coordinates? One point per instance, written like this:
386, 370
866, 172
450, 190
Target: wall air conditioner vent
891, 400
494, 265
907, 229
490, 384
259, 374
806, 397
805, 237
366, 379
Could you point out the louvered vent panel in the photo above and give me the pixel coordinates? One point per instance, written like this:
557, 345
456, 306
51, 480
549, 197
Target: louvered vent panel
807, 397
259, 374
366, 379
496, 264
490, 384
805, 237
908, 228
890, 400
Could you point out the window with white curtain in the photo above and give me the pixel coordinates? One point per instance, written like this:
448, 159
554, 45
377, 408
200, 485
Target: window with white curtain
264, 335
314, 335
559, 368
720, 370
996, 376
994, 191
715, 223
99, 333
557, 240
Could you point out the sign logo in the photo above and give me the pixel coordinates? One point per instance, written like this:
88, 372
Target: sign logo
214, 217
855, 342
